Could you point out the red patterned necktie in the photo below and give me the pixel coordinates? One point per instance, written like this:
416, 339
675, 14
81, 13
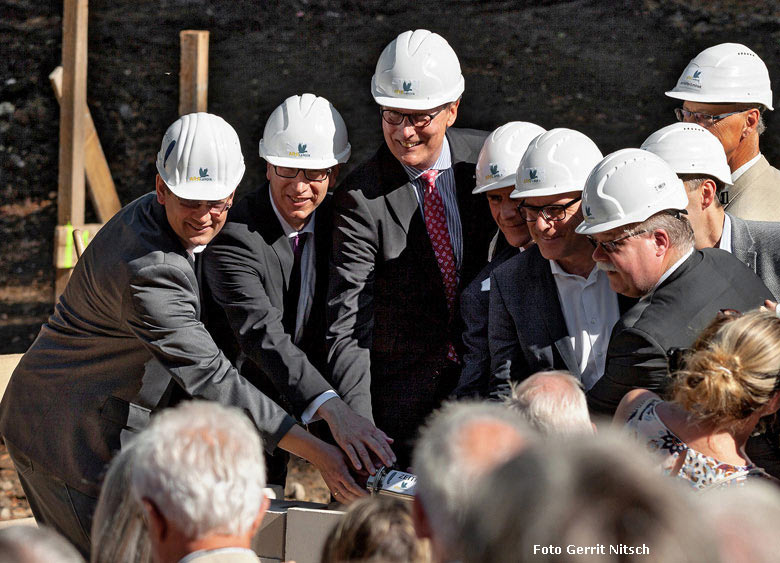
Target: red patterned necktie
436, 225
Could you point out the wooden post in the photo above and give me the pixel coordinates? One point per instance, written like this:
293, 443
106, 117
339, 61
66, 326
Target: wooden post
101, 186
70, 199
194, 71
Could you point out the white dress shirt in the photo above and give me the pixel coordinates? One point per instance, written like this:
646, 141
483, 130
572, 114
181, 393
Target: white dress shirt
590, 309
725, 237
744, 168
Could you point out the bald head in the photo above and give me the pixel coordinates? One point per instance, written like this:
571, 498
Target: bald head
553, 403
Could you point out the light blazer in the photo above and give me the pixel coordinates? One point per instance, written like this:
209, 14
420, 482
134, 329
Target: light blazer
387, 311
757, 244
247, 269
474, 306
526, 327
755, 194
672, 317
123, 335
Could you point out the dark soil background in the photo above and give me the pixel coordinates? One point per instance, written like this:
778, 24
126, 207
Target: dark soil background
600, 67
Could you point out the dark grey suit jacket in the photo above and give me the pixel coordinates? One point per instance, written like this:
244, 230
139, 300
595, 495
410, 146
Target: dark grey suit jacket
387, 311
757, 244
247, 269
672, 317
124, 334
474, 307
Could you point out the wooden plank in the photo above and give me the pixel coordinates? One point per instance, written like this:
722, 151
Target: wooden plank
193, 71
70, 200
65, 253
102, 190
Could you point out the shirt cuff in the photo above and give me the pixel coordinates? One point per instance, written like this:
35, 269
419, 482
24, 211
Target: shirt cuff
310, 414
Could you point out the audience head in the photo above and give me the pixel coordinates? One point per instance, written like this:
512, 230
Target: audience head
118, 529
28, 544
744, 520
587, 492
634, 205
735, 374
552, 403
186, 458
460, 443
375, 529
496, 172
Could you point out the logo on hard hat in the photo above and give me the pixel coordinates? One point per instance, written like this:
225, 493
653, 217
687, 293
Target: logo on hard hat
301, 152
659, 187
533, 176
203, 176
587, 211
692, 80
405, 87
168, 151
494, 172
697, 74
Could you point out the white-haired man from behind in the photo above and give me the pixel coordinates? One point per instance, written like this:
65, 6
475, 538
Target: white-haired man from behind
460, 443
199, 474
28, 544
552, 403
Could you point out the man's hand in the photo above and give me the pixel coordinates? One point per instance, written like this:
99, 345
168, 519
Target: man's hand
332, 466
356, 435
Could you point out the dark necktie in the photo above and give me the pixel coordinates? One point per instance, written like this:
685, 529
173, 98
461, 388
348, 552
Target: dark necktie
436, 225
294, 287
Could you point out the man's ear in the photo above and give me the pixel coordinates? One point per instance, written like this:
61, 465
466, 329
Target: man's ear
260, 515
452, 112
334, 175
420, 520
161, 189
709, 193
155, 521
662, 242
752, 117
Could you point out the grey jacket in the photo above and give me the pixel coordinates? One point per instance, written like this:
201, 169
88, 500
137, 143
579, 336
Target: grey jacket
755, 195
123, 335
757, 244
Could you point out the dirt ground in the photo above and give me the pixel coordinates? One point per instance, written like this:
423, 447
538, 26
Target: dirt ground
600, 67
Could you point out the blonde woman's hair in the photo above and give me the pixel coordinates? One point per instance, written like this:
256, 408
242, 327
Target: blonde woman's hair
735, 373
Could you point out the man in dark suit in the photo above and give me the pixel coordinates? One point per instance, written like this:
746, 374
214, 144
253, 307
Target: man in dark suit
550, 307
634, 214
125, 335
407, 238
496, 170
267, 277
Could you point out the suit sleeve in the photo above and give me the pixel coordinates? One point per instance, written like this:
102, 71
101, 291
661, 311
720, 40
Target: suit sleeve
506, 355
350, 300
474, 378
235, 277
161, 311
634, 361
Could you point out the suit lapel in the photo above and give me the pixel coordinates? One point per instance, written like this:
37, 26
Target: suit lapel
267, 223
742, 243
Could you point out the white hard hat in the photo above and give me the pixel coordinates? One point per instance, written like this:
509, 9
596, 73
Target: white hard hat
725, 73
305, 132
556, 162
501, 154
629, 186
200, 157
417, 70
690, 149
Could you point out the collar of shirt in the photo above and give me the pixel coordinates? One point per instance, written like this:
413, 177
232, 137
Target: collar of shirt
442, 163
559, 272
200, 553
669, 272
289, 232
744, 168
725, 236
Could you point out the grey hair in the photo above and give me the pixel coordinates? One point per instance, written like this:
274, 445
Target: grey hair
445, 469
693, 182
676, 226
119, 532
553, 403
28, 544
761, 126
201, 464
586, 491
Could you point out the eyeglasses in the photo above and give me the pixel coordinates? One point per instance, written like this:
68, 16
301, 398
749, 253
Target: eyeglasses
217, 206
610, 246
530, 213
703, 119
415, 119
313, 175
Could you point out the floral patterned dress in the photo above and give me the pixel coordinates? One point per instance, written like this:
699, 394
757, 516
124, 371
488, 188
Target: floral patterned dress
698, 470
